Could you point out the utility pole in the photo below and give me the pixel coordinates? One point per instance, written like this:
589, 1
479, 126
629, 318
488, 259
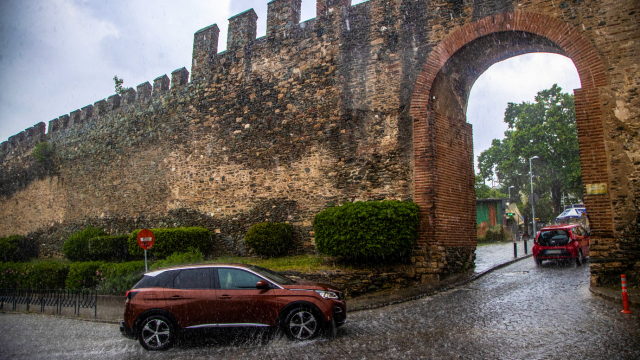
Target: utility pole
533, 210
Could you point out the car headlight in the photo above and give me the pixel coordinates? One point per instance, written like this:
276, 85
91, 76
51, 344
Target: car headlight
327, 294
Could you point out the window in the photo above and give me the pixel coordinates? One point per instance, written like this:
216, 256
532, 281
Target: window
159, 280
193, 279
237, 279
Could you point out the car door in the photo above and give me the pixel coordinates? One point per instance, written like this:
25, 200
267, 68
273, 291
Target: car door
587, 241
191, 297
240, 303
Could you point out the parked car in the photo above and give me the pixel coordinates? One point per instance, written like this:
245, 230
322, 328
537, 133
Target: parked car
568, 241
171, 300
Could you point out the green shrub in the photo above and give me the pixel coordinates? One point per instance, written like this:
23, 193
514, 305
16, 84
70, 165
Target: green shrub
83, 275
493, 235
169, 241
191, 256
270, 239
118, 278
109, 248
17, 248
367, 230
76, 247
43, 274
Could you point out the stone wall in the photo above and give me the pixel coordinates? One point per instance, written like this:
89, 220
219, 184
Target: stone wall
363, 102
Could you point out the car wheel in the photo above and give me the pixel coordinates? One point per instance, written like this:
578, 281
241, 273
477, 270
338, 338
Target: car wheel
156, 333
301, 324
538, 261
579, 259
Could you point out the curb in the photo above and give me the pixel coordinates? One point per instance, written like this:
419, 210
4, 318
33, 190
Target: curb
616, 298
442, 289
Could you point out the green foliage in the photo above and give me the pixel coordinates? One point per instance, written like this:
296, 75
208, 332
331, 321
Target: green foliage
169, 241
108, 248
118, 85
483, 191
270, 239
118, 278
547, 129
43, 153
191, 256
43, 275
76, 247
367, 230
83, 275
17, 248
494, 235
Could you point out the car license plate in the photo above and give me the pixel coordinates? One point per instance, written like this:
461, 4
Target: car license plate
554, 252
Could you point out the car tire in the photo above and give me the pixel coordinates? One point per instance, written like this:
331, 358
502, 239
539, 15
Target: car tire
331, 330
156, 333
579, 258
302, 324
538, 261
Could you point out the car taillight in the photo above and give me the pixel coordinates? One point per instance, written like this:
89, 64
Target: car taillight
130, 294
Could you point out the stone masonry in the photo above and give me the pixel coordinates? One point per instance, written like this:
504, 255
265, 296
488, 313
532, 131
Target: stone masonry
362, 102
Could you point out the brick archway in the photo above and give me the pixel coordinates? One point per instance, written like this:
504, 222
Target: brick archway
428, 130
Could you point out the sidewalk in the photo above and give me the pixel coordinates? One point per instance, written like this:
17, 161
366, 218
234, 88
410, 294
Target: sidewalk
616, 296
488, 258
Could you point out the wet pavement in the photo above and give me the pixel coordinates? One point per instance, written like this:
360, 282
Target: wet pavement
517, 312
488, 256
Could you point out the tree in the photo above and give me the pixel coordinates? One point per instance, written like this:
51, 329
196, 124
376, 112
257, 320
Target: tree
547, 129
118, 84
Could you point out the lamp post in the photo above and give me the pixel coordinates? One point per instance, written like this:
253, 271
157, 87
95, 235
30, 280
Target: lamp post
533, 210
516, 224
510, 187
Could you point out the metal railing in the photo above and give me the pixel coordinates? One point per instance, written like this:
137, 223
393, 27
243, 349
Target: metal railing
45, 297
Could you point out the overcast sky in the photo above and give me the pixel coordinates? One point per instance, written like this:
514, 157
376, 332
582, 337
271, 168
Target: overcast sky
57, 56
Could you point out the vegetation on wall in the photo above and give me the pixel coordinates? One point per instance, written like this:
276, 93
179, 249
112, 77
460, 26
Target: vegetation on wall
375, 230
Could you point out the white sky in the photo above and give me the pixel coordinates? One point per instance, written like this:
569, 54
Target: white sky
57, 56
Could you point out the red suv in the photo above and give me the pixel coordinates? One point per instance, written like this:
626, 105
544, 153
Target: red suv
569, 241
167, 301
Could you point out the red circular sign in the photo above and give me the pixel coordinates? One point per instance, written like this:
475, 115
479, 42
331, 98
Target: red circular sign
146, 239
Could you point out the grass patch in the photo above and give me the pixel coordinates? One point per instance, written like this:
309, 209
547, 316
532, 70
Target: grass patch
303, 263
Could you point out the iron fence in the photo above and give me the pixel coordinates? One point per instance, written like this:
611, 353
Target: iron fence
46, 297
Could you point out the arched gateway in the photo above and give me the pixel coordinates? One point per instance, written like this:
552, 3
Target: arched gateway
443, 150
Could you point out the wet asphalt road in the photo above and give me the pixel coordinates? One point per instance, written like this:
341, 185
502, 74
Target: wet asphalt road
518, 312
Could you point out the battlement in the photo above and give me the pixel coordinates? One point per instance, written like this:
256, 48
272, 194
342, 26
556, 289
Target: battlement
283, 19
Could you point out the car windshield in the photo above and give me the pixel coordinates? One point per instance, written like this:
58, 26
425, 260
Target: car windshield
271, 275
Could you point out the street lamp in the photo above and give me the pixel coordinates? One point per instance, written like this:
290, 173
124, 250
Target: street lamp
510, 187
533, 210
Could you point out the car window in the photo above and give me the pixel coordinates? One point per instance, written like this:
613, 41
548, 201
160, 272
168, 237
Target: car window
193, 279
237, 279
578, 231
153, 280
271, 275
550, 234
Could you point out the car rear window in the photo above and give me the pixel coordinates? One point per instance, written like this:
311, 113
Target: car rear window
159, 280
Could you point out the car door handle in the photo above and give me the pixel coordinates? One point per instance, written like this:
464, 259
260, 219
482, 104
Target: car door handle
225, 297
176, 297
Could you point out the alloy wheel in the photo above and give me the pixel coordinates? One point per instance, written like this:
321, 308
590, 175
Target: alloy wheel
303, 325
156, 333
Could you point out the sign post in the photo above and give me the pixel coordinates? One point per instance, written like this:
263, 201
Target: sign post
146, 239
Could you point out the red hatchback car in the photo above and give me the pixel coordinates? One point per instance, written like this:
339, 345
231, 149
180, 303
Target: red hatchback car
569, 242
167, 301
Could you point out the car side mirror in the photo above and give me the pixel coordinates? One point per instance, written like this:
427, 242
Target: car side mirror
262, 285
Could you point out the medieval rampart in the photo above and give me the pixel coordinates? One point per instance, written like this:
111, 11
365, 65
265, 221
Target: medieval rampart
321, 112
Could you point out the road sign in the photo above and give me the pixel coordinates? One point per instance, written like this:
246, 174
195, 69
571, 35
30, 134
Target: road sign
510, 214
146, 239
533, 199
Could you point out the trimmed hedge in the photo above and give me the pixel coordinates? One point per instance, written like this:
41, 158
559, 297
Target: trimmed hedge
17, 248
83, 275
76, 247
169, 241
270, 239
43, 275
117, 279
108, 248
374, 230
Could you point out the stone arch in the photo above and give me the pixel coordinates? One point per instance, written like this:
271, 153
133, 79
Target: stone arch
446, 195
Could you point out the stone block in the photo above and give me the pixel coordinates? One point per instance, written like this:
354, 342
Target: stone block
179, 77
100, 107
282, 16
205, 47
143, 92
87, 112
113, 102
242, 29
160, 85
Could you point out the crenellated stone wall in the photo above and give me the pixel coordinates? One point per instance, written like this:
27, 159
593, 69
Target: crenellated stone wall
363, 102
